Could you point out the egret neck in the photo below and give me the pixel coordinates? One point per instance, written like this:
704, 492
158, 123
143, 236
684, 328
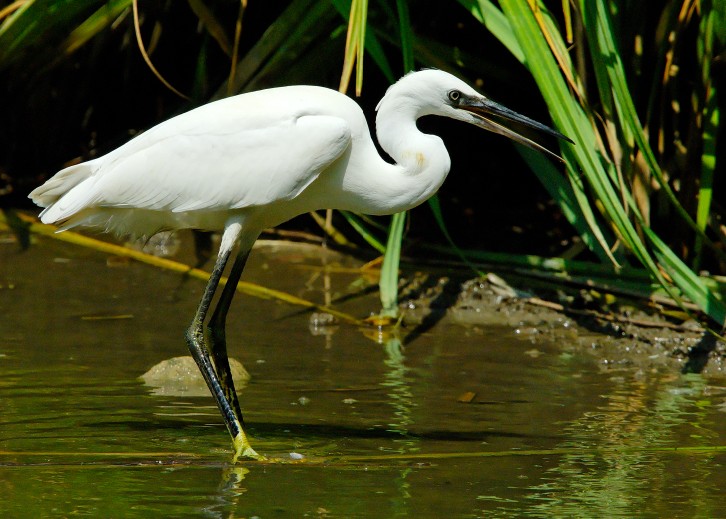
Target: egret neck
422, 161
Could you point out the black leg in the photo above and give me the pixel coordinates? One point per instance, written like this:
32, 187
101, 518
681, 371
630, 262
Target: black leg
218, 336
200, 353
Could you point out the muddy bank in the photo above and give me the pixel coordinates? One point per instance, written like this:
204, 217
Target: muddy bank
620, 334
624, 336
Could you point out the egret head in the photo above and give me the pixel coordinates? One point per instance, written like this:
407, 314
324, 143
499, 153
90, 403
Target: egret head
435, 92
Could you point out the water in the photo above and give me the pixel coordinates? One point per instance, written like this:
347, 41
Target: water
550, 432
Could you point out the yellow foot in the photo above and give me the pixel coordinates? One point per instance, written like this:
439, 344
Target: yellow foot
243, 449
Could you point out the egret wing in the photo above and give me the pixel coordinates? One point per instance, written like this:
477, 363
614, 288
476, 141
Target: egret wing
222, 167
250, 150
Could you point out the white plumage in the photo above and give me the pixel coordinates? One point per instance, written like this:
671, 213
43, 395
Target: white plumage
196, 169
253, 161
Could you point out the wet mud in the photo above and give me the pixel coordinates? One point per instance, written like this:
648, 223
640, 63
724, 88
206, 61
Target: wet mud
620, 335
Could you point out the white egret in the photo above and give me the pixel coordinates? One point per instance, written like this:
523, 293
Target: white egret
253, 161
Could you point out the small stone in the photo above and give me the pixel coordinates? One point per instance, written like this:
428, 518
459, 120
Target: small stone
180, 376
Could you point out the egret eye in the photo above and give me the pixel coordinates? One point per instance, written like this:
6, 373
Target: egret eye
454, 95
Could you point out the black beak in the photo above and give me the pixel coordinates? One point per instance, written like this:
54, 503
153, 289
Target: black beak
483, 109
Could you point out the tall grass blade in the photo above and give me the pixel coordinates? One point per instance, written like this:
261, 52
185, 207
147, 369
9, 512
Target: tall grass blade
496, 23
711, 119
357, 224
38, 21
571, 197
355, 46
213, 26
93, 25
388, 284
372, 44
685, 279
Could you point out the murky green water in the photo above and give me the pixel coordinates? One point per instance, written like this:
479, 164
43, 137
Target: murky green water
550, 432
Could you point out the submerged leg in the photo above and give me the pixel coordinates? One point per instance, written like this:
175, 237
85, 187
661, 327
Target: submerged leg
218, 335
200, 353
